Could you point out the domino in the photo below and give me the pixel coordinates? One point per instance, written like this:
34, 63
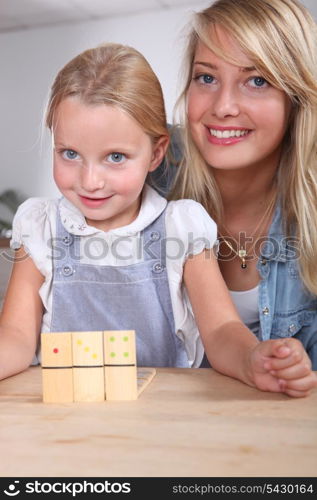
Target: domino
88, 369
120, 365
57, 371
144, 378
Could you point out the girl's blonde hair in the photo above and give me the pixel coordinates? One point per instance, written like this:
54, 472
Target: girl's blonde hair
117, 75
280, 38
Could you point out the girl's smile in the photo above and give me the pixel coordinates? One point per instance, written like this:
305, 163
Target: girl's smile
94, 202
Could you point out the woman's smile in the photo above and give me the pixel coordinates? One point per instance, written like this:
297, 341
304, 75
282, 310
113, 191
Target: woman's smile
226, 136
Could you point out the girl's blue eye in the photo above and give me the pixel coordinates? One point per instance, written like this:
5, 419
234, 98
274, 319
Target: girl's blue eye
70, 154
258, 82
116, 157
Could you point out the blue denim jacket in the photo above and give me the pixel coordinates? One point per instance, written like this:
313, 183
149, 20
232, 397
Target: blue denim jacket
286, 309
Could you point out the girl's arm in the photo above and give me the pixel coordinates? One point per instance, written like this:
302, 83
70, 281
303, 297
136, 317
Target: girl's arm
227, 341
21, 317
230, 346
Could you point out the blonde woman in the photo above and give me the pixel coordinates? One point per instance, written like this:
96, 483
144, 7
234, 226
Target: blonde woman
111, 254
249, 112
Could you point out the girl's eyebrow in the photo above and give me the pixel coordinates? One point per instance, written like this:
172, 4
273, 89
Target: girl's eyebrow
244, 69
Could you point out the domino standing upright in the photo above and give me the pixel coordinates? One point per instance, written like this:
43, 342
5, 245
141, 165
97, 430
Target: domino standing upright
88, 370
57, 371
120, 365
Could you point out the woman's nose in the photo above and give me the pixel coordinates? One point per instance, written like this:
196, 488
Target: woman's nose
91, 178
226, 102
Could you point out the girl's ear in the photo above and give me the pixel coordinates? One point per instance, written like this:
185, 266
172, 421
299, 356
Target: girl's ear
159, 151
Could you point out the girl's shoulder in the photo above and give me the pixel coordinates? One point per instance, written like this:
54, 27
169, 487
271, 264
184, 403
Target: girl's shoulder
33, 218
190, 211
36, 207
189, 219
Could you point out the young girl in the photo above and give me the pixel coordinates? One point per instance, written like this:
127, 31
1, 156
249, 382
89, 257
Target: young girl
250, 158
112, 254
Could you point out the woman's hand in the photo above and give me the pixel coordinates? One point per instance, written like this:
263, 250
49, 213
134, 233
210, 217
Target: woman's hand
232, 349
282, 366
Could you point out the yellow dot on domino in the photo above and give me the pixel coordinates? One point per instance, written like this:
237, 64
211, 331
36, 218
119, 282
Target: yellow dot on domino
87, 349
79, 342
95, 356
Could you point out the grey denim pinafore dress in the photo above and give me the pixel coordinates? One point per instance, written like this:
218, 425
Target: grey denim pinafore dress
89, 297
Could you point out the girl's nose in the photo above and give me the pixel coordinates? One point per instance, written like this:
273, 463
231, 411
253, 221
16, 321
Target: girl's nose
91, 178
226, 103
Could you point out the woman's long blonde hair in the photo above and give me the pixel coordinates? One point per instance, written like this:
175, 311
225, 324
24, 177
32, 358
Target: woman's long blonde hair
280, 38
117, 75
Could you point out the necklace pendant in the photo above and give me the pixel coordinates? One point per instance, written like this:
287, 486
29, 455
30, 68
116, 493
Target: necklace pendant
242, 255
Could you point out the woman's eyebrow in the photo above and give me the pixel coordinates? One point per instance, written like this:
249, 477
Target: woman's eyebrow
247, 69
208, 65
244, 69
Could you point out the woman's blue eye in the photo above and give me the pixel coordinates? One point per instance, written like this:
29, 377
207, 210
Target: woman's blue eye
205, 78
70, 154
116, 157
258, 81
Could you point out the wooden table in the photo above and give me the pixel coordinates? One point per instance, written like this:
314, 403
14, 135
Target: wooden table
186, 423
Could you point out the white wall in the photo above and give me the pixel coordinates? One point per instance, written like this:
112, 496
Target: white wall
29, 60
